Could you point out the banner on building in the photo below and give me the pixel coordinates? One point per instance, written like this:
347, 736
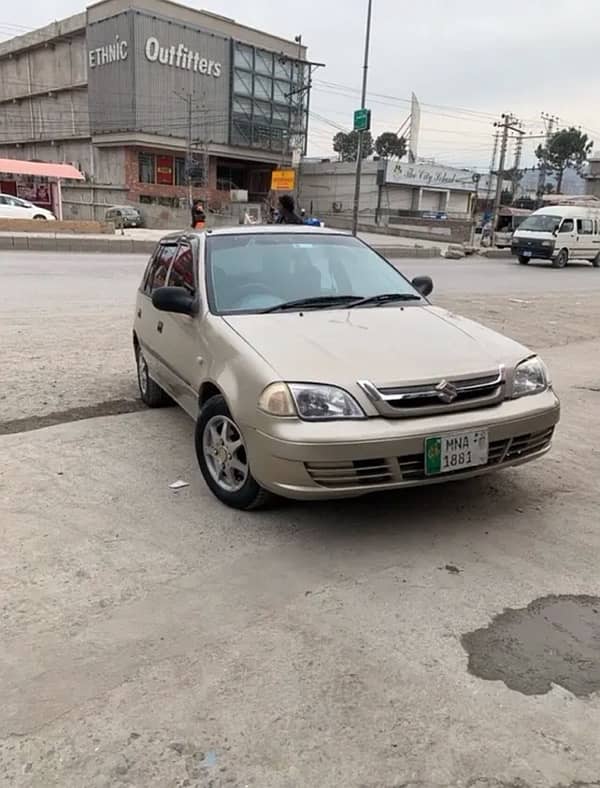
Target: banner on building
283, 180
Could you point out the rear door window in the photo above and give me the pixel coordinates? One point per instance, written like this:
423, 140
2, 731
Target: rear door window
182, 269
585, 226
158, 270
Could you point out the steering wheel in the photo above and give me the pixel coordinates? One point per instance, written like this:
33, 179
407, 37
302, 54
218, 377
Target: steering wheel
254, 287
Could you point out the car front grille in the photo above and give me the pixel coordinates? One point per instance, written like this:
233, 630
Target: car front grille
411, 468
350, 474
428, 398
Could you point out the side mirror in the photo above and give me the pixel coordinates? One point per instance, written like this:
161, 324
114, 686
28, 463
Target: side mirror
423, 285
174, 299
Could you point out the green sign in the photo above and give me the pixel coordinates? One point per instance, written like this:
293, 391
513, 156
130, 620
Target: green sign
362, 120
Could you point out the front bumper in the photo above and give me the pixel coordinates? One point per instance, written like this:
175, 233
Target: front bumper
533, 250
345, 459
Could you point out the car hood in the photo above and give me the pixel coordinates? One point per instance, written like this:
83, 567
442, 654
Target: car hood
386, 345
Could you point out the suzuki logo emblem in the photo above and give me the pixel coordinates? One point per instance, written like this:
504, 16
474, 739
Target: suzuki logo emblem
446, 391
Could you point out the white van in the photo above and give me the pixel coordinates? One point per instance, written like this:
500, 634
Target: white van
559, 233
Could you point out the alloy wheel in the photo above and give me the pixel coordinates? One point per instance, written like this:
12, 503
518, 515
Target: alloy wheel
225, 453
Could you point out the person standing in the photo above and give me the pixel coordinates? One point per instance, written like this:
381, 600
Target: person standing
287, 211
198, 216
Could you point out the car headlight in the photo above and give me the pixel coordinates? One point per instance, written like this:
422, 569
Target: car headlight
530, 377
547, 243
311, 401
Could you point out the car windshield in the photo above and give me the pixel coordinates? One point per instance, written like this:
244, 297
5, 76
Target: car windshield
255, 272
543, 222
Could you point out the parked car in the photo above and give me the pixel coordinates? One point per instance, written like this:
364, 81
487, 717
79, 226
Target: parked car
124, 215
12, 207
314, 369
559, 233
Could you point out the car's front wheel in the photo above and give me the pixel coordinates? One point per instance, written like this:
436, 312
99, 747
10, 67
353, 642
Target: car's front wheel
39, 217
223, 459
561, 259
524, 260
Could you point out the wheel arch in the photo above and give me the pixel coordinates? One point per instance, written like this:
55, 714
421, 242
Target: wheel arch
209, 389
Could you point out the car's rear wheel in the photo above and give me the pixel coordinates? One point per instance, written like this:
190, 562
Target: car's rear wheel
524, 260
561, 259
150, 392
223, 459
596, 261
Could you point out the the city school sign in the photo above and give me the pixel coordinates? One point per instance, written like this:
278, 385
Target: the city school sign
429, 176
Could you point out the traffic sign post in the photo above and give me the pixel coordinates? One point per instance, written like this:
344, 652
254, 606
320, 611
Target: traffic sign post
362, 120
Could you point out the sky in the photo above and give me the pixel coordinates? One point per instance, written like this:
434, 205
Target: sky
467, 61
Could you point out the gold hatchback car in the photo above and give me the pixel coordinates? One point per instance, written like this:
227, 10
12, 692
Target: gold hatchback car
314, 369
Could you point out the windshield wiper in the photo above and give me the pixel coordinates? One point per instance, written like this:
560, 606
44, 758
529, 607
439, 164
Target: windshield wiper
385, 298
318, 301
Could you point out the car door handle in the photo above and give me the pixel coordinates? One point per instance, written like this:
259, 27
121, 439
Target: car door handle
159, 326
139, 313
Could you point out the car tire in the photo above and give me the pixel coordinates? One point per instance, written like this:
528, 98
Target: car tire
150, 392
596, 261
561, 259
39, 217
225, 469
524, 260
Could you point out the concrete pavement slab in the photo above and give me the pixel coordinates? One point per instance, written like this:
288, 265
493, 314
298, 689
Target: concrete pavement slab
152, 637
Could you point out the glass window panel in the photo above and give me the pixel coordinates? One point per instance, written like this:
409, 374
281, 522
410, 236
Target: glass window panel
146, 168
281, 117
262, 112
263, 87
283, 67
264, 62
241, 134
281, 91
242, 107
242, 83
243, 57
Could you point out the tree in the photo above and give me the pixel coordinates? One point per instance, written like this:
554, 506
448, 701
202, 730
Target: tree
390, 146
347, 145
565, 148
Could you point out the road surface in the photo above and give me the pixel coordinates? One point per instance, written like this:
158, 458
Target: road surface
155, 638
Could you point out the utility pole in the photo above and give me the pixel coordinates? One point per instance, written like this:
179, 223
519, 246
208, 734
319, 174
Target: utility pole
188, 99
517, 162
359, 156
488, 193
549, 121
506, 124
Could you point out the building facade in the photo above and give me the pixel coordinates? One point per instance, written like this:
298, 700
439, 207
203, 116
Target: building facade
154, 102
396, 194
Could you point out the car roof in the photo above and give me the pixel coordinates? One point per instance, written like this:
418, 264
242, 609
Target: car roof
257, 229
567, 210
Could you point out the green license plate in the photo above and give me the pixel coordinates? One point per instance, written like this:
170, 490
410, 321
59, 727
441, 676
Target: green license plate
455, 452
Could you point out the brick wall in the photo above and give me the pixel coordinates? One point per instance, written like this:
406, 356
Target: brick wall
135, 188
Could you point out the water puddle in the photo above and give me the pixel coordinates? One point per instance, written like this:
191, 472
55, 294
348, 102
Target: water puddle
554, 640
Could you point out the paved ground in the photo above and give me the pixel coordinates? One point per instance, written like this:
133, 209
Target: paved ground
152, 638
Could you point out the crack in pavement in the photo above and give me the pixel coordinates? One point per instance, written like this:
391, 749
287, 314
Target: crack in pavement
114, 407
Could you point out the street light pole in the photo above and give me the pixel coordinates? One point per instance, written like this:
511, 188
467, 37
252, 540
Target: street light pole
359, 157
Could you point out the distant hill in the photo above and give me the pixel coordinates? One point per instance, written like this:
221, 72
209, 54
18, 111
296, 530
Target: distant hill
572, 183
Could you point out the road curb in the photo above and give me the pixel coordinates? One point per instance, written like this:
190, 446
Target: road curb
131, 246
76, 244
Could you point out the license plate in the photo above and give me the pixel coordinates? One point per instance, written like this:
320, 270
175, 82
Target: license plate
455, 452
527, 254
